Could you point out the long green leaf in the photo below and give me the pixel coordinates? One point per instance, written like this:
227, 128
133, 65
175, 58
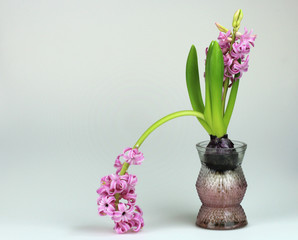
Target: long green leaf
193, 81
193, 85
232, 100
215, 74
231, 103
208, 105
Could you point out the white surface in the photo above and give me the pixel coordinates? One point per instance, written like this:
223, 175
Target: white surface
81, 80
274, 229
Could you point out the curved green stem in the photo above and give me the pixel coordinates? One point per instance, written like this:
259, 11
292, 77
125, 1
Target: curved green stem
168, 118
124, 168
155, 125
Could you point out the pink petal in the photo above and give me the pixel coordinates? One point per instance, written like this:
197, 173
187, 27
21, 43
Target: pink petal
121, 227
138, 209
117, 216
121, 207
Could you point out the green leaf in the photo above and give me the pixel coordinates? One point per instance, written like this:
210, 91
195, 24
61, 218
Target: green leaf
232, 100
193, 81
208, 106
193, 85
215, 74
231, 103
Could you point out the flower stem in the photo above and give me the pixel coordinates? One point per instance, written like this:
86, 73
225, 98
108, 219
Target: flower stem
164, 120
124, 168
226, 85
155, 125
160, 122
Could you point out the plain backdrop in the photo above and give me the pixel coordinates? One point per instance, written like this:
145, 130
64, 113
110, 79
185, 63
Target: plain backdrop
81, 80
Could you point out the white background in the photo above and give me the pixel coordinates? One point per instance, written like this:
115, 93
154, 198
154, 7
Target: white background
81, 80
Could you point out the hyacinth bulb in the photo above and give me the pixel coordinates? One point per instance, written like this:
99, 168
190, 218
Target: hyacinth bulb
220, 154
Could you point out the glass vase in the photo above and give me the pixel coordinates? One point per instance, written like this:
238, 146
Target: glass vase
221, 186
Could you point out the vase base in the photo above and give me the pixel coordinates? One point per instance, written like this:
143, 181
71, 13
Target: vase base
221, 218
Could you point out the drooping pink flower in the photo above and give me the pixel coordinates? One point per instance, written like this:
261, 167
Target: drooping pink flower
122, 227
106, 206
118, 165
106, 180
132, 180
133, 156
103, 191
130, 196
137, 222
127, 215
138, 209
118, 183
124, 213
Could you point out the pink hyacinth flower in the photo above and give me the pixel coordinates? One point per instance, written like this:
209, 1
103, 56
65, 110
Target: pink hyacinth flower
122, 227
132, 180
124, 213
118, 184
239, 67
228, 61
118, 165
137, 222
106, 180
106, 206
224, 39
239, 50
133, 156
127, 216
247, 37
138, 209
103, 191
130, 196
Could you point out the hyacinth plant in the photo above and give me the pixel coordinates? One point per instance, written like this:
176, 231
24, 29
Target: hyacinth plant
226, 61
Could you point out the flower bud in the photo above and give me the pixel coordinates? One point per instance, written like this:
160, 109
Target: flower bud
238, 34
221, 28
237, 18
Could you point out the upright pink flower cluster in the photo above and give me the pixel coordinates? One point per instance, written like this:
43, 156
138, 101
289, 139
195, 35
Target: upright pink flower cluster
126, 215
236, 60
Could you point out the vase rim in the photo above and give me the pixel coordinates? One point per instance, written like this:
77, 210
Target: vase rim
238, 146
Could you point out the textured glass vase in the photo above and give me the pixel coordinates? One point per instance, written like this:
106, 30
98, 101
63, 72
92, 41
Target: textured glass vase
221, 186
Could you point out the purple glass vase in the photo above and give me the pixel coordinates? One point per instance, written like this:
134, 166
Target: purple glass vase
221, 186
